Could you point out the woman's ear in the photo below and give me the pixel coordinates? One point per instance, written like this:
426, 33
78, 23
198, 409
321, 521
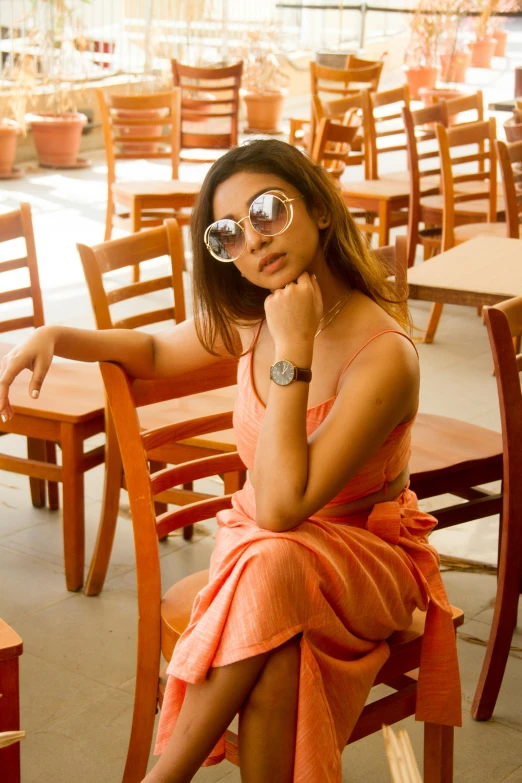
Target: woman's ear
323, 217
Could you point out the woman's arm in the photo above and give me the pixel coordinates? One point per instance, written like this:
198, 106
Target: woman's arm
295, 477
142, 355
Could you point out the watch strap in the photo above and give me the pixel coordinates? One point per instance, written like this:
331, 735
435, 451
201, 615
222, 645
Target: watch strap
302, 375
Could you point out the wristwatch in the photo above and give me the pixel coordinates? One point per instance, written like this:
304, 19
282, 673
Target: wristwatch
284, 373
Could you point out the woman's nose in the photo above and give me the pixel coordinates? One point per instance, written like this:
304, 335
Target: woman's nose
254, 240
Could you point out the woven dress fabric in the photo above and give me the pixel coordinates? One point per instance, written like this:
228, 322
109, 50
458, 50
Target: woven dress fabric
344, 583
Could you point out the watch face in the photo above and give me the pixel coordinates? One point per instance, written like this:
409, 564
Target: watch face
282, 372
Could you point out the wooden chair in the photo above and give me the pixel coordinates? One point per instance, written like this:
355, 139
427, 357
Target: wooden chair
163, 620
70, 409
510, 159
209, 97
327, 82
11, 648
504, 325
466, 215
107, 259
145, 204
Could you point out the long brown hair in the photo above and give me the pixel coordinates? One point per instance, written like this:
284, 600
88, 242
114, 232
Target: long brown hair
224, 299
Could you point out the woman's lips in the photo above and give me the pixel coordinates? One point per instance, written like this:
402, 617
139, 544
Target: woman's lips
271, 263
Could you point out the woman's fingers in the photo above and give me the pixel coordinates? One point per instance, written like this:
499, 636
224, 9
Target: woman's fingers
40, 368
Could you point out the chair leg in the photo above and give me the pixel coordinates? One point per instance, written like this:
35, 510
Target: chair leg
438, 753
73, 506
436, 312
502, 627
135, 227
109, 513
53, 495
36, 451
188, 530
10, 718
384, 224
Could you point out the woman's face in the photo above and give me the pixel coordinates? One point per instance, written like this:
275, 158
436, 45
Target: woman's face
270, 261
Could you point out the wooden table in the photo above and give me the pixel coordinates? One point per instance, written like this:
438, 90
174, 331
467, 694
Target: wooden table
483, 271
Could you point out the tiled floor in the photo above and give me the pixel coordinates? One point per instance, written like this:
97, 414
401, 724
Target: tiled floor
79, 653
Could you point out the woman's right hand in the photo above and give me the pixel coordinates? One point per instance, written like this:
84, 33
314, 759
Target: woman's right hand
35, 354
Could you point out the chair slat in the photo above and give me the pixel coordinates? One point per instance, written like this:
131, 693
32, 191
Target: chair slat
10, 226
138, 289
143, 319
17, 323
164, 140
153, 439
15, 263
15, 294
191, 514
194, 470
222, 373
203, 140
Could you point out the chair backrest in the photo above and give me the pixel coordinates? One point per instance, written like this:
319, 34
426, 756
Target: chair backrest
115, 254
352, 112
332, 146
209, 98
357, 62
343, 82
474, 102
137, 127
504, 325
18, 225
510, 159
423, 160
467, 166
395, 260
386, 124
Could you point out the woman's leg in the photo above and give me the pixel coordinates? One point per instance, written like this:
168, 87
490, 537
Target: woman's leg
268, 720
207, 711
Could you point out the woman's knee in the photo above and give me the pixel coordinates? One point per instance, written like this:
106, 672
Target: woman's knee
277, 685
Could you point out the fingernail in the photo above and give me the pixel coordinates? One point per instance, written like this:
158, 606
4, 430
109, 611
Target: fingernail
3, 416
35, 394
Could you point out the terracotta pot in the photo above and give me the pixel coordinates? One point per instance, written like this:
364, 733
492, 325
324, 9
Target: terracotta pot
139, 130
420, 77
482, 52
454, 66
263, 110
500, 36
9, 130
57, 137
513, 130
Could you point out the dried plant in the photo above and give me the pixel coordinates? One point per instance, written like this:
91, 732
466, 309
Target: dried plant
426, 30
262, 61
21, 78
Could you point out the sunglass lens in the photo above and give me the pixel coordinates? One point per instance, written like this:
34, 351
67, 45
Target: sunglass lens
226, 239
268, 214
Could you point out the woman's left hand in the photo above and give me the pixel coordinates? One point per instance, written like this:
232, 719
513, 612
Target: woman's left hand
293, 312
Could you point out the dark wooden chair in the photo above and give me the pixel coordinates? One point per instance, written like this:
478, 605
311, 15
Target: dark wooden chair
70, 409
163, 620
504, 325
10, 650
209, 107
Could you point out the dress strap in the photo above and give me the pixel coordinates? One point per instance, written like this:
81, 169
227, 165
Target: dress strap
378, 334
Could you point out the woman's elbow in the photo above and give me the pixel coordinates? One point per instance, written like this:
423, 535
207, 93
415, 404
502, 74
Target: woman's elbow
277, 521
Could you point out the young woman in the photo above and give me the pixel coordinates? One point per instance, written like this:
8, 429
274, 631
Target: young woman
324, 553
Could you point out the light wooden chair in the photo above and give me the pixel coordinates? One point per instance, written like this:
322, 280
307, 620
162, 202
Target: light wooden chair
10, 650
325, 83
209, 99
147, 203
510, 159
504, 325
106, 260
163, 620
70, 409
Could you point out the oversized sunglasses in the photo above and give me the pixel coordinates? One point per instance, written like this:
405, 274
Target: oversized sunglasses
270, 214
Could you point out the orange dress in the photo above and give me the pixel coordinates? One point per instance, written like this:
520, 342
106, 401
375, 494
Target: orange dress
344, 583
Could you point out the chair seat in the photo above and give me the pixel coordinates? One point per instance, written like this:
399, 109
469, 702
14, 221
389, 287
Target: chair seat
474, 207
72, 392
376, 188
426, 183
472, 230
176, 608
440, 443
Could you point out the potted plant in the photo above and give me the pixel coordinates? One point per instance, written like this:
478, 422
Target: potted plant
483, 47
57, 130
264, 82
20, 81
455, 57
421, 60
